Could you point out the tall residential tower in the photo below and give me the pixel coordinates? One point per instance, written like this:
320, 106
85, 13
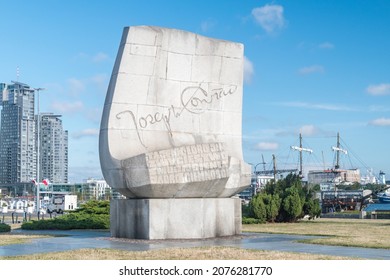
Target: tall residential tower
18, 139
18, 156
53, 149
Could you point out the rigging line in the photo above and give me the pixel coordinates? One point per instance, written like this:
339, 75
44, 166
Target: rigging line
355, 155
350, 162
293, 162
317, 162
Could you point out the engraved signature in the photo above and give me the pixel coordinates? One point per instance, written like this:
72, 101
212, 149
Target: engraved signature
194, 99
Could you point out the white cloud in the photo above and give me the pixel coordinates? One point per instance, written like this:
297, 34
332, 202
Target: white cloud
67, 107
329, 107
99, 78
326, 45
207, 25
76, 86
267, 146
248, 70
101, 81
78, 174
94, 115
380, 89
378, 108
89, 132
311, 69
80, 56
99, 57
308, 130
381, 122
96, 58
270, 17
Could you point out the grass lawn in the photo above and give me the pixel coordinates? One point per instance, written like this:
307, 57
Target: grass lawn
10, 238
344, 232
201, 253
341, 232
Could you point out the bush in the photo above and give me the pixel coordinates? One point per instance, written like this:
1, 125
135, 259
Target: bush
292, 205
246, 210
5, 228
258, 208
312, 208
92, 215
70, 221
248, 221
284, 201
264, 207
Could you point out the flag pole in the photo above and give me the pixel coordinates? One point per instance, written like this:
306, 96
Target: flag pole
38, 150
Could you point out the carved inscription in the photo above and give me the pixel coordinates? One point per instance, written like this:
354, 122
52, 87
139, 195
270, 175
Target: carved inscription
194, 100
188, 164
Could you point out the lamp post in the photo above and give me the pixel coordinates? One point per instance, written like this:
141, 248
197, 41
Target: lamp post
257, 165
257, 182
38, 148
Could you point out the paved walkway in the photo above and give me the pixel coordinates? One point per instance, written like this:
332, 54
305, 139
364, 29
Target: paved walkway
75, 239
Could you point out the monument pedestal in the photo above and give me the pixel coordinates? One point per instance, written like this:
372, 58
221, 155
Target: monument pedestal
184, 218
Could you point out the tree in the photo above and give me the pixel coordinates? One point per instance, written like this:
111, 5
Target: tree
258, 208
284, 201
354, 186
312, 208
292, 205
272, 205
316, 188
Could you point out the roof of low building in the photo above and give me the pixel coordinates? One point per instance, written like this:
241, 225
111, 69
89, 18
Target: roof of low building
377, 207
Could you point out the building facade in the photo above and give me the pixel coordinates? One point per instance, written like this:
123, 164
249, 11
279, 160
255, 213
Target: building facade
53, 149
335, 176
18, 156
19, 139
98, 189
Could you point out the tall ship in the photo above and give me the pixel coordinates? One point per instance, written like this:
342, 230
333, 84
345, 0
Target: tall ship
384, 197
328, 178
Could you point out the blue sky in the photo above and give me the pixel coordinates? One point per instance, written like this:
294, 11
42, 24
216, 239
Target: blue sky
315, 67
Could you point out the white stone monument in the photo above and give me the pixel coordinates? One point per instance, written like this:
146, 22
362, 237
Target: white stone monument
170, 136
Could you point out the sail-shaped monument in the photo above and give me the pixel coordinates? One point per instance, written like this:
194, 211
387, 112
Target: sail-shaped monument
170, 135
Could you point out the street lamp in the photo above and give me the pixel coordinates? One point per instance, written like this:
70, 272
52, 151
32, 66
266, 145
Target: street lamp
257, 165
38, 148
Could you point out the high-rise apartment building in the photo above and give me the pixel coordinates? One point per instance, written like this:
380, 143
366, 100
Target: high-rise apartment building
19, 139
53, 149
18, 156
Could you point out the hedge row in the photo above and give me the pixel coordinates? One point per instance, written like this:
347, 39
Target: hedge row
92, 215
5, 228
70, 221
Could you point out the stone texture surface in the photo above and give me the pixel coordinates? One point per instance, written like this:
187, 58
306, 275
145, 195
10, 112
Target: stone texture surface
170, 92
175, 218
202, 170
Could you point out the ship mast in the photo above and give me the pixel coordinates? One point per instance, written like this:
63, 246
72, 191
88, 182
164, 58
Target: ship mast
338, 150
274, 163
301, 149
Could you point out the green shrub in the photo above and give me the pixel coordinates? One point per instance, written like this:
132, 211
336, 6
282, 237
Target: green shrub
5, 228
71, 221
92, 215
258, 208
248, 221
246, 210
292, 205
313, 209
286, 200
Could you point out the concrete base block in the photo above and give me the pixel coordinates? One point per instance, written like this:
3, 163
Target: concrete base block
184, 218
